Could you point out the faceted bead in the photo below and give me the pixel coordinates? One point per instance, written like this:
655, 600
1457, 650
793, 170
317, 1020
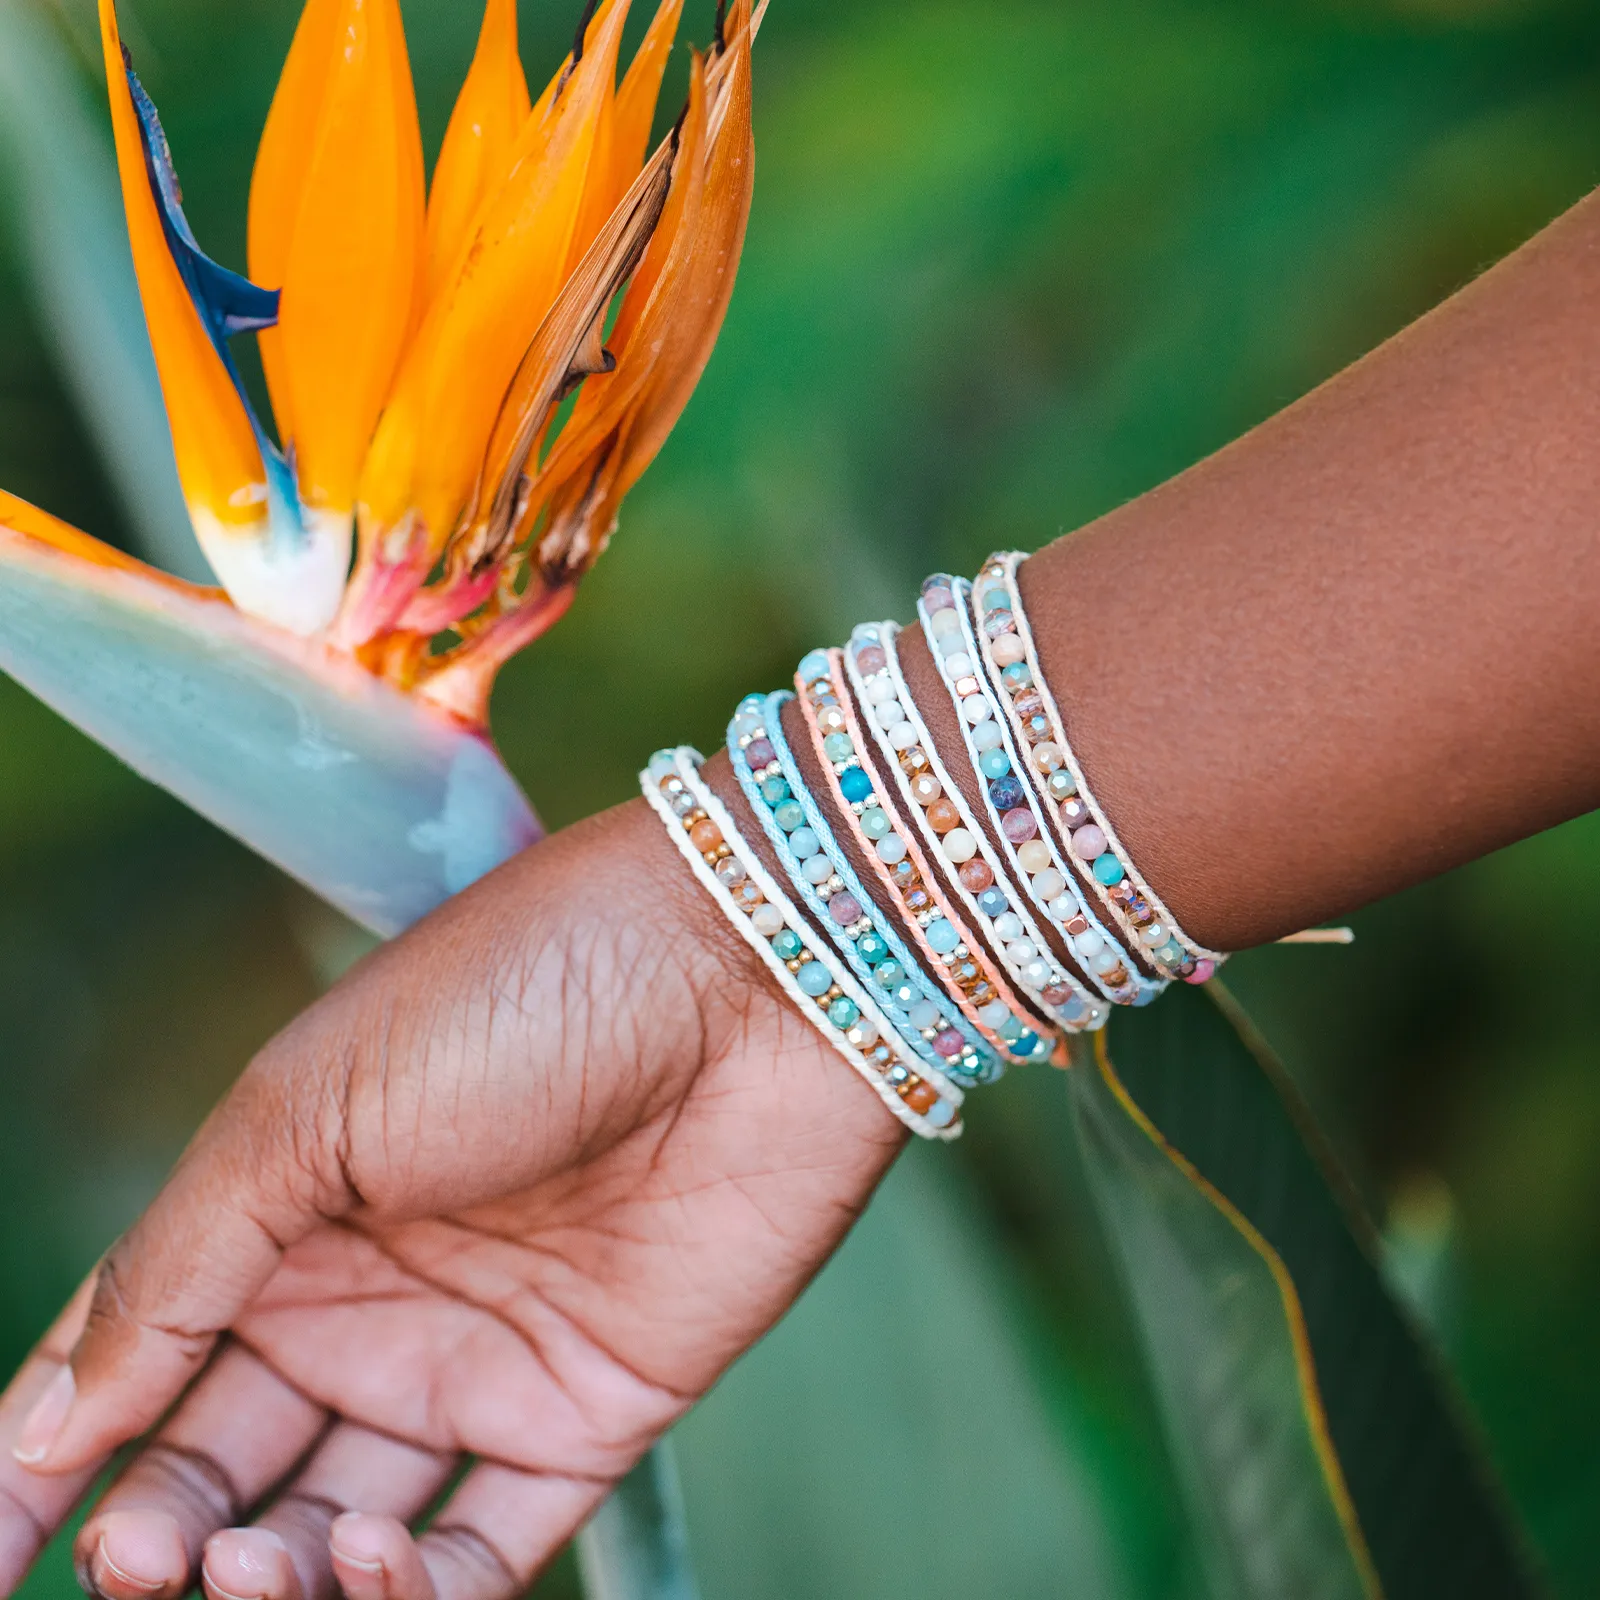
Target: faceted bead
767, 920
844, 908
922, 1013
1008, 926
994, 763
814, 664
959, 846
729, 871
1056, 994
925, 789
1016, 676
888, 975
976, 875
842, 1013
775, 790
948, 1042
1018, 825
999, 622
1089, 944
905, 995
759, 753
1108, 870
920, 1097
994, 1013
705, 836
838, 747
814, 979
1048, 884
1073, 813
889, 713
936, 595
992, 902
891, 848
1064, 907
1029, 703
878, 691
1008, 649
1153, 935
986, 736
1047, 757
789, 815
746, 723
817, 870
1061, 784
965, 973
1107, 962
966, 684
914, 761
875, 822
831, 719
862, 1035
787, 944
1021, 951
943, 816
870, 658
1076, 925
1034, 856
1007, 793
855, 785
1036, 973
804, 843
1011, 1028
746, 896
976, 708
872, 948
981, 993
1036, 729
917, 899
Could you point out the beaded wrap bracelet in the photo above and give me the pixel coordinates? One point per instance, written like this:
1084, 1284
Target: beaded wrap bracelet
828, 886
952, 835
972, 983
806, 970
1078, 819
1010, 802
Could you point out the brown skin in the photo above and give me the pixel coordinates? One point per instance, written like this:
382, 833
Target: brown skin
531, 1178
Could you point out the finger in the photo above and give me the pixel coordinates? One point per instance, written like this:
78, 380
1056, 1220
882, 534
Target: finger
500, 1528
236, 1434
248, 1187
375, 1558
353, 1468
33, 1508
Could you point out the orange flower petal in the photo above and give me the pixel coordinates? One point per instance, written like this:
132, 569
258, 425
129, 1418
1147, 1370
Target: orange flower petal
636, 99
490, 112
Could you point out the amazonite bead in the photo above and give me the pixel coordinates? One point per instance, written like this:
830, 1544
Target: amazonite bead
994, 763
838, 747
1108, 870
924, 1014
775, 790
814, 979
940, 1114
950, 642
891, 848
789, 815
875, 822
817, 870
987, 736
944, 624
662, 765
813, 665
942, 936
804, 842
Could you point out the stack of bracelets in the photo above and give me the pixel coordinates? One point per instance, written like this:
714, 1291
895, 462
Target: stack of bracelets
930, 945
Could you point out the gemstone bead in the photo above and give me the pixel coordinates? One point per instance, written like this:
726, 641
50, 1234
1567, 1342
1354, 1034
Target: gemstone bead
875, 822
838, 747
789, 815
1088, 842
817, 870
993, 597
914, 761
855, 785
870, 658
1061, 784
941, 935
1057, 995
1064, 907
1089, 943
1007, 793
976, 875
905, 995
921, 1097
891, 849
1018, 825
959, 846
663, 764
976, 708
747, 723
1108, 870
1025, 1044
923, 1014
950, 642
1016, 676
862, 1035
903, 735
1011, 1028
1034, 856
986, 736
842, 1013
925, 789
1008, 649
1008, 926
994, 1014
775, 790
994, 763
944, 624
936, 596
948, 1042
888, 714
814, 979
804, 842
729, 871
1047, 757
888, 975
959, 665
767, 920
1073, 813
814, 664
1048, 884
1021, 951
705, 835
998, 622
1154, 934
759, 753
1203, 972
943, 816
844, 908
940, 1114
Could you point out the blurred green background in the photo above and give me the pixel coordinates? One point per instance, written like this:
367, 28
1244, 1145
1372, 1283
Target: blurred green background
1008, 266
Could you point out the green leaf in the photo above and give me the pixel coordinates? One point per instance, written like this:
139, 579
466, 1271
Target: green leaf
1321, 1448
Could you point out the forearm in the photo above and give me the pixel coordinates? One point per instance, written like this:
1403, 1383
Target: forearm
1357, 647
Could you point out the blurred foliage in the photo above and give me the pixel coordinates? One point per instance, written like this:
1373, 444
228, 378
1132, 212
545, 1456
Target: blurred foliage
1008, 266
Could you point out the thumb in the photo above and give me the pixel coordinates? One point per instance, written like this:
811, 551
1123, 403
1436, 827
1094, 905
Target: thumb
258, 1177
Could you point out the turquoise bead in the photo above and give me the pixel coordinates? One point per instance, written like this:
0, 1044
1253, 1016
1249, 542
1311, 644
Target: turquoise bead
855, 785
804, 843
1011, 1030
1108, 870
789, 814
873, 948
942, 936
838, 747
1025, 1044
788, 944
888, 974
844, 1013
994, 764
775, 790
875, 822
814, 979
813, 665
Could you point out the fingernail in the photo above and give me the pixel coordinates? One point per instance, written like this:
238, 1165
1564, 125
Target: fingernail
46, 1420
122, 1575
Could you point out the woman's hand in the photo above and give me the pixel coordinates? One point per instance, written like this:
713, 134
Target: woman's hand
520, 1189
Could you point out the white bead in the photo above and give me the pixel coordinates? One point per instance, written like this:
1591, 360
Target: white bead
994, 1014
944, 623
889, 713
1049, 884
1021, 951
816, 869
986, 736
891, 848
878, 689
767, 920
903, 735
1105, 961
976, 708
958, 846
1155, 934
1063, 908
1089, 943
958, 665
1036, 973
1008, 926
862, 1034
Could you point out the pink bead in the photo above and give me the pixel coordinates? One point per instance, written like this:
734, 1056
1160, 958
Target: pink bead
948, 1043
1019, 825
1202, 971
759, 753
870, 658
1008, 648
938, 598
1089, 843
844, 908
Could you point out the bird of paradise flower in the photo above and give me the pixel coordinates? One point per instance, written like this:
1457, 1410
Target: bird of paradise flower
434, 492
